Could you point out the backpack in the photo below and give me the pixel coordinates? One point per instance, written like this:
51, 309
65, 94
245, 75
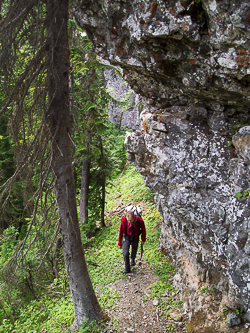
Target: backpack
135, 209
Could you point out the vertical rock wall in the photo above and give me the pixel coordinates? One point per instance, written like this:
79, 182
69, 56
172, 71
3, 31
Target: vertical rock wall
189, 62
126, 115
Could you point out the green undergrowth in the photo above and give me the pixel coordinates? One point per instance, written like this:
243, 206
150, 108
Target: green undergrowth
105, 264
161, 289
129, 188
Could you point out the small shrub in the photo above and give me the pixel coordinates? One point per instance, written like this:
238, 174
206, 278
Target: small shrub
89, 327
204, 290
225, 310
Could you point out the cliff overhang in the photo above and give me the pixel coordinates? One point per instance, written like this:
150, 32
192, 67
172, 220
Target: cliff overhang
188, 61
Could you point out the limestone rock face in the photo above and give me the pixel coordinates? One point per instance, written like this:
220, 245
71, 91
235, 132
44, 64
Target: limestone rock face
189, 63
128, 114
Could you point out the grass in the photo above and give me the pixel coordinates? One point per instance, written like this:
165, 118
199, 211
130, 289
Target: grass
131, 188
103, 250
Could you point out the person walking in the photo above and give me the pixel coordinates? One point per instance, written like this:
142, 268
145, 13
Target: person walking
131, 227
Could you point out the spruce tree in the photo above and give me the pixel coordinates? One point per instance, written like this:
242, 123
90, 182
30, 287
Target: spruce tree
36, 66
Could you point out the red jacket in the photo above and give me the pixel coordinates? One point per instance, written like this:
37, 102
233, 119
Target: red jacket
125, 227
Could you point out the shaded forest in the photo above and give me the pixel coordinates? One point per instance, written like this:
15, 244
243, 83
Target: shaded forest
65, 179
58, 153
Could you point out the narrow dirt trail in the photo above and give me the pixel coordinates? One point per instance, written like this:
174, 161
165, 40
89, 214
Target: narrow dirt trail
135, 311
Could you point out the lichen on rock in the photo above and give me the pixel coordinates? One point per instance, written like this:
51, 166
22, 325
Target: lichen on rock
189, 63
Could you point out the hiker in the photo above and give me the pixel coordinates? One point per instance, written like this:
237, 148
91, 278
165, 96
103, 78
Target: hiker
131, 227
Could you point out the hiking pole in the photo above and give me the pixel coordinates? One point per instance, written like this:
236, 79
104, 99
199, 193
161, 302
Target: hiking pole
141, 254
141, 250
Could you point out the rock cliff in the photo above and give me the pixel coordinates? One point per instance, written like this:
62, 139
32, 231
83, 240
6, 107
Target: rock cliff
127, 115
189, 63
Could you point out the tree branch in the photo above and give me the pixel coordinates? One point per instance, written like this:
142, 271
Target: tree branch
31, 66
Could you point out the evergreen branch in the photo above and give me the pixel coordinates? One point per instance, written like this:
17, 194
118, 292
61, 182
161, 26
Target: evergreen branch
52, 240
26, 237
31, 66
22, 244
40, 189
13, 10
27, 86
21, 165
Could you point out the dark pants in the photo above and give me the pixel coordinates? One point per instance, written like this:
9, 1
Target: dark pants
125, 249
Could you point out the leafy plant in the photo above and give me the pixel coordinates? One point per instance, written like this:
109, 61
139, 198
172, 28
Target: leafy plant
89, 327
170, 328
108, 298
239, 194
238, 124
204, 290
239, 312
225, 310
179, 304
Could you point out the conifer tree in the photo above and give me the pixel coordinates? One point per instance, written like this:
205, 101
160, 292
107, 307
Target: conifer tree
35, 64
91, 103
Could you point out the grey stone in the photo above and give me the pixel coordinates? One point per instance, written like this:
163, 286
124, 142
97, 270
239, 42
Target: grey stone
247, 316
232, 320
241, 141
123, 116
156, 301
189, 69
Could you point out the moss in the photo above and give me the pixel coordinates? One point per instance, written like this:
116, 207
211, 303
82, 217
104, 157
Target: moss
104, 316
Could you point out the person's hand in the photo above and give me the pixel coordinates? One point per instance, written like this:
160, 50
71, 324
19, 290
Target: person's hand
120, 246
142, 242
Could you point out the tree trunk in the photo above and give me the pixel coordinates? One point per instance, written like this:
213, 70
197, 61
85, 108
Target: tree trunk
91, 80
85, 181
103, 199
103, 180
58, 117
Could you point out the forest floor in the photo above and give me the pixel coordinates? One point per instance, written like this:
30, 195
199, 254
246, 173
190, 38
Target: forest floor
136, 311
145, 301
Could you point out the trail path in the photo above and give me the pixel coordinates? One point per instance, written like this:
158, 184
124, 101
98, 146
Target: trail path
135, 309
136, 313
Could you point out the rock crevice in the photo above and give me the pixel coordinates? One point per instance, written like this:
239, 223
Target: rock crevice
188, 61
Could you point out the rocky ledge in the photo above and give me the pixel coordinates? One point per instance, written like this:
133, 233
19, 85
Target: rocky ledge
189, 63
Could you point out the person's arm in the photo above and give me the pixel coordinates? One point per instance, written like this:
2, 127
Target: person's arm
121, 232
143, 229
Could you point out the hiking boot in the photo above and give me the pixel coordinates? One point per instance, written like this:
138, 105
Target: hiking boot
126, 271
132, 262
